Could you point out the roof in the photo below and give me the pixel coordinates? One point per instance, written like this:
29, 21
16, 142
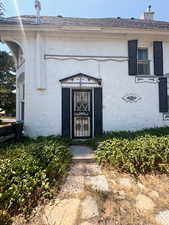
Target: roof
98, 80
59, 21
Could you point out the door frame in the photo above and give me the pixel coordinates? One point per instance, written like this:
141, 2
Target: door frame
91, 113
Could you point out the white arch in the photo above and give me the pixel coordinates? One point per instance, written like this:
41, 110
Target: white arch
7, 39
15, 46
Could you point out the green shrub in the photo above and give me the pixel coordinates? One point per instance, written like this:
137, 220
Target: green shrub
28, 169
139, 155
159, 132
5, 218
51, 156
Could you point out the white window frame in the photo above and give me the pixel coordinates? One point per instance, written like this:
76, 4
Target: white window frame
146, 62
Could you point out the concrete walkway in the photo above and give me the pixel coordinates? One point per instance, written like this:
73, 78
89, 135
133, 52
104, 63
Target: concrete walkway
76, 203
81, 152
94, 196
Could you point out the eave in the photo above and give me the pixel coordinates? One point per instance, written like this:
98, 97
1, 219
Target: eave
53, 28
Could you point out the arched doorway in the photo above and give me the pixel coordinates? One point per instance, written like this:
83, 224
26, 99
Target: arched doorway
13, 50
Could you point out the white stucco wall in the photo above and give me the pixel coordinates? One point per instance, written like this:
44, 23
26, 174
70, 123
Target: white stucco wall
43, 106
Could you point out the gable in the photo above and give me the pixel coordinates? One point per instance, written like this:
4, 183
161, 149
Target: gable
81, 79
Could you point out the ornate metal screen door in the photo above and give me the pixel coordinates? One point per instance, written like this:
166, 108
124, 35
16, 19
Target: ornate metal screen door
82, 113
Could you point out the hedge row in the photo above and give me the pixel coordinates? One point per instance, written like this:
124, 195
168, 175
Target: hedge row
27, 170
159, 132
136, 155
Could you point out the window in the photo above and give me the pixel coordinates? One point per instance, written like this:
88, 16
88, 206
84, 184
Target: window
22, 111
21, 100
143, 64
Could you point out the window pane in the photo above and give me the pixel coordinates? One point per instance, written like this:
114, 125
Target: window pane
23, 94
143, 68
143, 63
142, 54
22, 111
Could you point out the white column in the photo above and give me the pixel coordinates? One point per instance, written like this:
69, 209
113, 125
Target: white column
38, 85
40, 63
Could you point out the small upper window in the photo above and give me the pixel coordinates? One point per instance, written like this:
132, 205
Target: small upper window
142, 54
143, 63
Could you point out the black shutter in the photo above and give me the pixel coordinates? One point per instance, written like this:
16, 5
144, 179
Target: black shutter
66, 112
98, 120
163, 96
132, 57
158, 58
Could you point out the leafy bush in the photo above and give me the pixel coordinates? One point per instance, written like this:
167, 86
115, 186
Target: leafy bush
159, 132
28, 169
138, 155
5, 218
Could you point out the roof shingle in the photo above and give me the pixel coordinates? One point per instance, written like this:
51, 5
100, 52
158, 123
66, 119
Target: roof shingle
89, 22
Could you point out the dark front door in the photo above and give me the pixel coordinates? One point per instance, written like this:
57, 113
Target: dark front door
82, 113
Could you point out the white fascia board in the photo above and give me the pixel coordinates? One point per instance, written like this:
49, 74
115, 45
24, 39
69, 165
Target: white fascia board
6, 27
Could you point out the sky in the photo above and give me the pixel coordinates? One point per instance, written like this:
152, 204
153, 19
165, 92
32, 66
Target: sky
88, 8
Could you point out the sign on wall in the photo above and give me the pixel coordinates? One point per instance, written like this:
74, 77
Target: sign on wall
131, 98
166, 116
146, 79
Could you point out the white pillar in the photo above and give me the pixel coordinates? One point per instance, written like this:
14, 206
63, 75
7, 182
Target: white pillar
40, 63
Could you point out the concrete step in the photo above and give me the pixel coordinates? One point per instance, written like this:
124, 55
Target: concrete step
84, 160
82, 153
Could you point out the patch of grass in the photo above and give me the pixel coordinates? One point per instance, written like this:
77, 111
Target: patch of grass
28, 169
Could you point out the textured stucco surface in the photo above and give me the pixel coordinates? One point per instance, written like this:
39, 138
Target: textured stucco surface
43, 107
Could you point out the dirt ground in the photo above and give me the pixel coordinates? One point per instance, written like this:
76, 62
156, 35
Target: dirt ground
128, 201
120, 205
